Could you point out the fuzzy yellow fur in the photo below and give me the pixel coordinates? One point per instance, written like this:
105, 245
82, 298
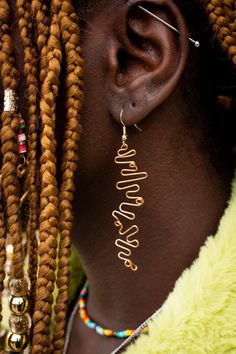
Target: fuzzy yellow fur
199, 316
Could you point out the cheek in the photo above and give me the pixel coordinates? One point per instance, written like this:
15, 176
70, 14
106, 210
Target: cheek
100, 137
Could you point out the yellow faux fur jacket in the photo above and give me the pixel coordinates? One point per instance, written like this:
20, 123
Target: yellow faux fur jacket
199, 316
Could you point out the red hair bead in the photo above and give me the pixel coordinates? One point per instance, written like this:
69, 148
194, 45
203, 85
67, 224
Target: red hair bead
22, 149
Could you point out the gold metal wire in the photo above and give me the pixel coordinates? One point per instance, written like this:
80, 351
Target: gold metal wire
130, 185
24, 197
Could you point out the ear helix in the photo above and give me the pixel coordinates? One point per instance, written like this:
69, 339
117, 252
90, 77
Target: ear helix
196, 43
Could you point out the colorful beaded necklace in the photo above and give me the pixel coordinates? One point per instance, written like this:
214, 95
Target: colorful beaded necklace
94, 326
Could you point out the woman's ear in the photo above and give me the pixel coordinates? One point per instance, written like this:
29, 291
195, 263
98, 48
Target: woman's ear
146, 58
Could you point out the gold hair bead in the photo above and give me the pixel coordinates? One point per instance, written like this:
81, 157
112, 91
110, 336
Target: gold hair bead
20, 324
10, 104
18, 305
19, 287
18, 342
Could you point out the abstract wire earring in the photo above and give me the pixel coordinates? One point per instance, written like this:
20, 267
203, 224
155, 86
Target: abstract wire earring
127, 240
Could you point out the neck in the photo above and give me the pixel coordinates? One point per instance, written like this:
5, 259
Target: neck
185, 196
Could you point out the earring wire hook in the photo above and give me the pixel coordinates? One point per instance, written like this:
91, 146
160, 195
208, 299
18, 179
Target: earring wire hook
137, 127
124, 126
121, 118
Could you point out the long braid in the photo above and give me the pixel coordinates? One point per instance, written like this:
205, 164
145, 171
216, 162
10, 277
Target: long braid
2, 249
31, 75
71, 40
9, 131
48, 228
222, 16
2, 204
40, 13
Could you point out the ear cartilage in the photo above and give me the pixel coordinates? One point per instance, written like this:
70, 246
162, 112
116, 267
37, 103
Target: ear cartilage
196, 43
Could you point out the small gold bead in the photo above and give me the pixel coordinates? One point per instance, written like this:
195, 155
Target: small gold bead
19, 287
18, 305
20, 324
18, 342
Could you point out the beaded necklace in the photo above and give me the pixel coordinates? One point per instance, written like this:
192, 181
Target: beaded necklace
97, 328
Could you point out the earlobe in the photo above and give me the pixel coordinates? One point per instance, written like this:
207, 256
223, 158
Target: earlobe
146, 59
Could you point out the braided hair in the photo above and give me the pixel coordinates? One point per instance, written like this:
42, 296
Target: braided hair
50, 38
50, 35
222, 17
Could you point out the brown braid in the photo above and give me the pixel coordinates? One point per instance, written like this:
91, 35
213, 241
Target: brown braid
10, 127
222, 16
2, 249
40, 13
49, 194
71, 39
31, 75
2, 218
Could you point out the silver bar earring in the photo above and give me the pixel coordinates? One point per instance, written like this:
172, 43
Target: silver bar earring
196, 43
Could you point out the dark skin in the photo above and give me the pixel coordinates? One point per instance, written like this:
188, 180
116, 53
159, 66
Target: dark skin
151, 73
185, 194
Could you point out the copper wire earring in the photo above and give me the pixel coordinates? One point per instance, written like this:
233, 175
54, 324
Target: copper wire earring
131, 176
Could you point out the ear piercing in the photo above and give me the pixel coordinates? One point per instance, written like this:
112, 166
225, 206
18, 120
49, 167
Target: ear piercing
196, 43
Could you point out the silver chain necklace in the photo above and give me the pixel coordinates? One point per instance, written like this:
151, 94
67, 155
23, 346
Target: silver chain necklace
136, 334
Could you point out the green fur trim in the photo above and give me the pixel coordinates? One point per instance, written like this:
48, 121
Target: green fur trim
76, 273
199, 316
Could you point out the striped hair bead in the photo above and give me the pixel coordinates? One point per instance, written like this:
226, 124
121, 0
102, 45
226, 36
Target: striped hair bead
22, 124
22, 149
97, 328
22, 139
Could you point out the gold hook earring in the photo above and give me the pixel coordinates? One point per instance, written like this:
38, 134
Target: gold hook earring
137, 127
124, 136
124, 126
127, 240
121, 117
